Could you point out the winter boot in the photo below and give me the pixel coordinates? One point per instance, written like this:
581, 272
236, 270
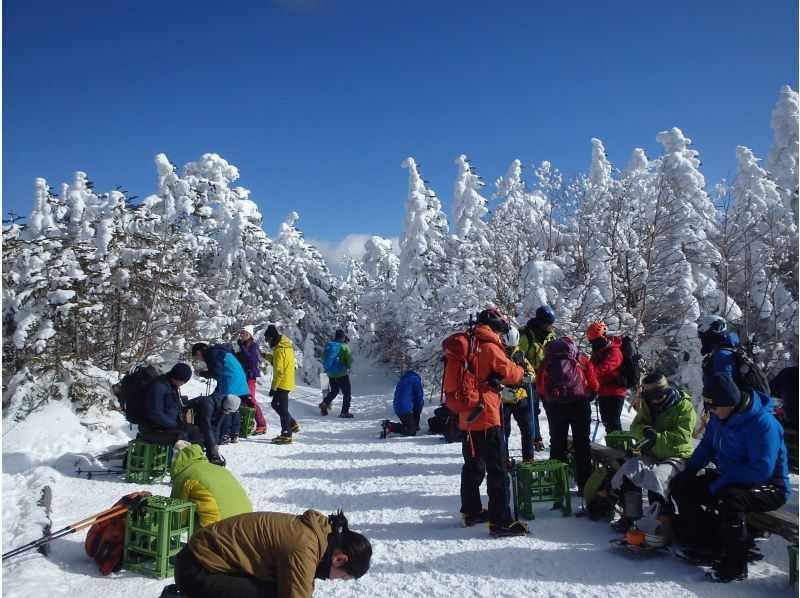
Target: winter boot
538, 445
385, 424
515, 528
346, 415
225, 439
323, 408
622, 525
260, 430
295, 427
729, 568
282, 439
215, 458
470, 520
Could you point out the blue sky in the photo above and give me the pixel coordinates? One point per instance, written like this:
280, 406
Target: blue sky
317, 103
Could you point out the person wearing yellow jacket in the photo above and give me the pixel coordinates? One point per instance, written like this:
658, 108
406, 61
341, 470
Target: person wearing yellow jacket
282, 360
270, 554
214, 490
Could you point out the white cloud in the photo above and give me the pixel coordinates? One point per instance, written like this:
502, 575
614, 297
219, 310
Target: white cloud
353, 243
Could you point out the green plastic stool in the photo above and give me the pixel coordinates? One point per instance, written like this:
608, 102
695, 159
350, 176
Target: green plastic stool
248, 421
620, 440
543, 481
155, 534
146, 462
790, 438
793, 565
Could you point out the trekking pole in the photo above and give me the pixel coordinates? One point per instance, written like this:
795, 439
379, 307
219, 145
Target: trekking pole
70, 529
597, 421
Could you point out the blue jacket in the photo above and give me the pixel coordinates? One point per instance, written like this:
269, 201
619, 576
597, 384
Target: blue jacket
163, 403
748, 448
721, 360
408, 395
223, 366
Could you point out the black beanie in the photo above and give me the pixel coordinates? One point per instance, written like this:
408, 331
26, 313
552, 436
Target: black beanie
340, 335
271, 332
181, 372
721, 391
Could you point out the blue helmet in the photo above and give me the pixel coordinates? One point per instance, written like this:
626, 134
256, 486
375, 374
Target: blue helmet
545, 314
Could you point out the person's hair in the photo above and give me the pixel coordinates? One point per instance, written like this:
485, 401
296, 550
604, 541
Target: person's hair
249, 342
354, 545
199, 347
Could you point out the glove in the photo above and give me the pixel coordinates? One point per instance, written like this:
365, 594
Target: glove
649, 433
272, 392
647, 446
519, 358
527, 379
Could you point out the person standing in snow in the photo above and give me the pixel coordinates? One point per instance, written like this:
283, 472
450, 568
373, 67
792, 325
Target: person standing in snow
282, 360
536, 333
338, 353
164, 408
222, 366
216, 493
746, 443
607, 360
408, 402
484, 447
250, 354
261, 554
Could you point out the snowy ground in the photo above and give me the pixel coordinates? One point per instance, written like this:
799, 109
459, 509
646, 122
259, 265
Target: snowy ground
401, 492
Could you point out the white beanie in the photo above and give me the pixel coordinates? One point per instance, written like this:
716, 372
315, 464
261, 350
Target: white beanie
180, 445
250, 329
231, 403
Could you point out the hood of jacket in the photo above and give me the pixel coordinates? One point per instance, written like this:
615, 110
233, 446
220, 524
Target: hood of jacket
484, 334
759, 403
283, 343
187, 457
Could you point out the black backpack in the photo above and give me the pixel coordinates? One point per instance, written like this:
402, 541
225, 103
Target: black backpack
131, 391
748, 373
630, 369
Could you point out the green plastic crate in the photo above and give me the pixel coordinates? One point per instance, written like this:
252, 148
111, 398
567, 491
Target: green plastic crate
620, 440
543, 481
155, 534
146, 462
791, 438
248, 421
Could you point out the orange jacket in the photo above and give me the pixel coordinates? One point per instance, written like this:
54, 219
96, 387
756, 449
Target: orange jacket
491, 357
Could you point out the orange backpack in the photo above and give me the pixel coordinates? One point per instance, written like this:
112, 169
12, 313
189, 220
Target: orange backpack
106, 538
459, 383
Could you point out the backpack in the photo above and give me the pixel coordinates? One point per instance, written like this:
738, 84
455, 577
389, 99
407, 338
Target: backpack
131, 391
330, 358
564, 379
106, 539
748, 373
630, 369
445, 423
459, 382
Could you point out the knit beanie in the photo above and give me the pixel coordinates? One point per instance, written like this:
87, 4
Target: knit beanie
654, 386
271, 332
181, 372
721, 391
249, 329
231, 403
340, 336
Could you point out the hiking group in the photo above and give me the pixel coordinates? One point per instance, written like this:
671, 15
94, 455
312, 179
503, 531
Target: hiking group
698, 496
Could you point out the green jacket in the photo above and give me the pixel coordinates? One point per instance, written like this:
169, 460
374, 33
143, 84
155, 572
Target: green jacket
674, 428
215, 491
345, 357
533, 349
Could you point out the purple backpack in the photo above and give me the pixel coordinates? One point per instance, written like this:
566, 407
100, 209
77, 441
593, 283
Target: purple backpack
564, 378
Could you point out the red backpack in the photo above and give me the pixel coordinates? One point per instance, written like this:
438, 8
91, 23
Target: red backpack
106, 538
459, 383
564, 374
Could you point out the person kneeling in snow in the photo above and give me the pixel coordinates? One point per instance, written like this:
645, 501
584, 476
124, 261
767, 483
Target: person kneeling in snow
408, 402
663, 430
746, 442
216, 493
270, 554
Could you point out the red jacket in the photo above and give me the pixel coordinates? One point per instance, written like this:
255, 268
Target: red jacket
490, 358
606, 363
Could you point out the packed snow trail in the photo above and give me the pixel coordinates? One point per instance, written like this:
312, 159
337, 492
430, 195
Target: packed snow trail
403, 493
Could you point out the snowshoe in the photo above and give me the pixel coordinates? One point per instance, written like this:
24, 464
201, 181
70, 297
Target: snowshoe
698, 555
470, 520
323, 408
282, 439
515, 528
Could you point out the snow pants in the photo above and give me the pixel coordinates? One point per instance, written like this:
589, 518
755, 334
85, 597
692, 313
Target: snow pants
253, 402
188, 432
578, 416
280, 403
196, 581
490, 461
611, 412
522, 415
408, 426
342, 383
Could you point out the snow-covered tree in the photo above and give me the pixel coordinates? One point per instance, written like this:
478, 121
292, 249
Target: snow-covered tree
783, 155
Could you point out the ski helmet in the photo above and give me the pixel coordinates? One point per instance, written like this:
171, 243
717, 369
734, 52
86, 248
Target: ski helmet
545, 314
494, 320
511, 338
596, 330
712, 325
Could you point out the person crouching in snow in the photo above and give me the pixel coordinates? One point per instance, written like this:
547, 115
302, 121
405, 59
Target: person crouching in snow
663, 429
270, 554
214, 490
408, 402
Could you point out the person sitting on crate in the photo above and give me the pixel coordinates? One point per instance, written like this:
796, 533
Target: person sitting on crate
270, 554
217, 494
163, 408
409, 399
663, 431
745, 441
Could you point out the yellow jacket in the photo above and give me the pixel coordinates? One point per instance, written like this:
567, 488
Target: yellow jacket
282, 360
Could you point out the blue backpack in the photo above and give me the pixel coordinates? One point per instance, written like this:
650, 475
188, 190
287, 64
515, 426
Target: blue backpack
330, 358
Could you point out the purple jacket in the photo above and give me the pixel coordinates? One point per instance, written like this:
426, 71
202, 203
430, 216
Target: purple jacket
253, 355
